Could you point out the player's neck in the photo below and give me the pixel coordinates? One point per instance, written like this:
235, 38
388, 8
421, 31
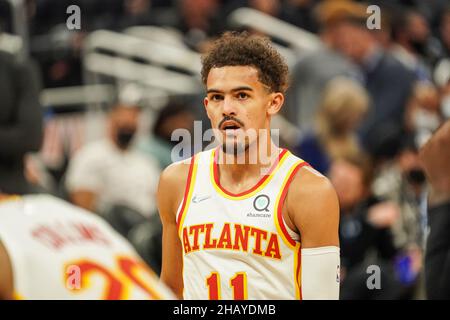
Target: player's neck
254, 163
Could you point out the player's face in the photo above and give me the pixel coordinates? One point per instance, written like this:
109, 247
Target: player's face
239, 105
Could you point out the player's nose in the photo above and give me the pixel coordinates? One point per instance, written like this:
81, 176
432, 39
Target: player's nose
229, 106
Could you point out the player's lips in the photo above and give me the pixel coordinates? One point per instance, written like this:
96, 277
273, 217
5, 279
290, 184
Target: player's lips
230, 125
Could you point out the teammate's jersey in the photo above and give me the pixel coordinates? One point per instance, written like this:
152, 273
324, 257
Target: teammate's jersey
59, 251
238, 246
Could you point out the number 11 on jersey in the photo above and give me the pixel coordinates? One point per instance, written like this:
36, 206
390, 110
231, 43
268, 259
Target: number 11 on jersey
238, 284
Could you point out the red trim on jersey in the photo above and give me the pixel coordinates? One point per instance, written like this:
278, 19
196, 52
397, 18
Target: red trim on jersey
186, 192
260, 182
299, 270
281, 202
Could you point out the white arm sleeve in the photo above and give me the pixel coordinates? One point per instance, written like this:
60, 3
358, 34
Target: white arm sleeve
320, 273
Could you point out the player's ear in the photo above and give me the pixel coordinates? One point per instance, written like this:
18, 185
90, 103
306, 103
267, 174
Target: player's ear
275, 103
205, 103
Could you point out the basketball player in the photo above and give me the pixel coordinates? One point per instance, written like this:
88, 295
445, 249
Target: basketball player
50, 249
242, 230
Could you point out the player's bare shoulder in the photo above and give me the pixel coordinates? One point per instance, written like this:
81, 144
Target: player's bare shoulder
312, 203
308, 183
172, 184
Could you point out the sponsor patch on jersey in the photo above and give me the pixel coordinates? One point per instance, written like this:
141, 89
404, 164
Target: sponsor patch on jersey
261, 203
258, 215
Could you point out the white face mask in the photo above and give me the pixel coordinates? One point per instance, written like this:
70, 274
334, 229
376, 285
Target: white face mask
445, 106
425, 120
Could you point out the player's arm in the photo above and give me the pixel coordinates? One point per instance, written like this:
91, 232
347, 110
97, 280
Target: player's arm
170, 194
435, 157
6, 280
313, 209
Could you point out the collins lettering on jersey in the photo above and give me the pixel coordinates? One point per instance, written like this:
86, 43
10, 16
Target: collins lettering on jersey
58, 235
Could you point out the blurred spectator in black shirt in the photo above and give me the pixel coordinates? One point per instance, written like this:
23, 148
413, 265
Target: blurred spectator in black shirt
365, 220
20, 121
403, 181
364, 231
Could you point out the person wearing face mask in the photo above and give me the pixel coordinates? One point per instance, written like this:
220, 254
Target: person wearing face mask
445, 104
412, 46
442, 80
104, 173
423, 115
403, 182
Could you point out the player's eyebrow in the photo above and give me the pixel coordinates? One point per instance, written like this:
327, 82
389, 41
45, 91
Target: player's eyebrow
242, 88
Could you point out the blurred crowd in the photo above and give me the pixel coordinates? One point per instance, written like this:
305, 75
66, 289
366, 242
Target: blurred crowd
362, 105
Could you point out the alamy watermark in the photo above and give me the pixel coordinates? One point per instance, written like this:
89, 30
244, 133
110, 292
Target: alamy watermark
73, 21
239, 146
374, 20
373, 282
73, 277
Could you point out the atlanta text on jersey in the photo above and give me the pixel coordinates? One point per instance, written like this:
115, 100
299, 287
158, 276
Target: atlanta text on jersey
236, 238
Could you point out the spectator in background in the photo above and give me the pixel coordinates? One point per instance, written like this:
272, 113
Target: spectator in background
411, 34
108, 173
20, 121
444, 32
136, 13
313, 71
403, 182
298, 12
388, 82
435, 156
423, 114
159, 144
444, 89
270, 7
344, 104
364, 231
198, 20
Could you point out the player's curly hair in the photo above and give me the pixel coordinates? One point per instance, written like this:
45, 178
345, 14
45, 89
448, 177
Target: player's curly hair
244, 49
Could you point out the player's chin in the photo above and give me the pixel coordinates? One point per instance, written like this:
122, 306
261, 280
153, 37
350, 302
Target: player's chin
232, 146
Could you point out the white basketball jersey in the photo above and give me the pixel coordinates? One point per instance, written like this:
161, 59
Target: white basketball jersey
238, 246
59, 251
